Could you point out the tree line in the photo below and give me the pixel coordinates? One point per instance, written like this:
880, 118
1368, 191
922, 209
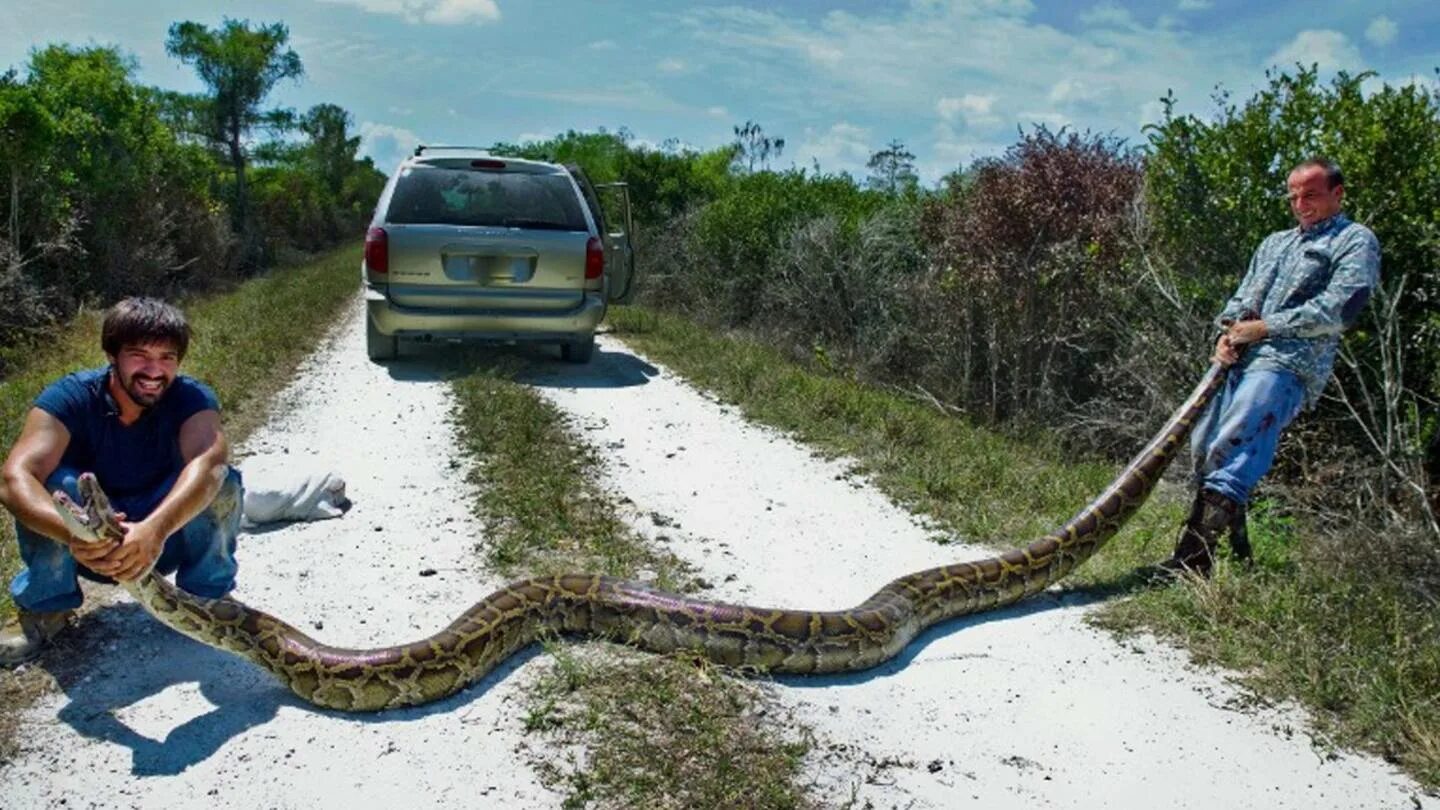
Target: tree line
114, 188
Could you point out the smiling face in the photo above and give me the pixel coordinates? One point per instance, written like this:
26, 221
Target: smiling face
1312, 198
146, 371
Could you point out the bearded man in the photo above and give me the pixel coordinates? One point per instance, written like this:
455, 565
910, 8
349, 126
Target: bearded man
152, 438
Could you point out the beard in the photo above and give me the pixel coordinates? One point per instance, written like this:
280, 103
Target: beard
144, 390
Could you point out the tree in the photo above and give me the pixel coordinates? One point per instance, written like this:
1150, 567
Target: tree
892, 169
26, 131
331, 149
753, 147
240, 65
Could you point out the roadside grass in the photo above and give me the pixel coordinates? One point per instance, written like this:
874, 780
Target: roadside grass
246, 345
1354, 643
643, 730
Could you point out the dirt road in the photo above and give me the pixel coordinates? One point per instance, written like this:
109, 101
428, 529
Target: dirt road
1027, 707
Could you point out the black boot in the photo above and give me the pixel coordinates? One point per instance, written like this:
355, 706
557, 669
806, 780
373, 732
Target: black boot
1211, 514
1240, 536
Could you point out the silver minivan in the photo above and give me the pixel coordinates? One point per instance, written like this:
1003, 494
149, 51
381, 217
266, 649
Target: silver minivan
468, 245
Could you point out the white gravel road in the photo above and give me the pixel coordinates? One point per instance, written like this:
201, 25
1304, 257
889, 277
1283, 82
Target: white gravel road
1027, 707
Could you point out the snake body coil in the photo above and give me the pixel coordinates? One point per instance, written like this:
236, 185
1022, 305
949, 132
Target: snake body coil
784, 641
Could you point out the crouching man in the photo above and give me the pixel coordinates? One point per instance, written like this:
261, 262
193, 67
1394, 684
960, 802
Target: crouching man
152, 438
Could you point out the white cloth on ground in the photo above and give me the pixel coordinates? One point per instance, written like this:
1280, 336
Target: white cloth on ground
283, 487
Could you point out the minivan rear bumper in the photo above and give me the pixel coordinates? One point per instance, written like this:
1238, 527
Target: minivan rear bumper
521, 325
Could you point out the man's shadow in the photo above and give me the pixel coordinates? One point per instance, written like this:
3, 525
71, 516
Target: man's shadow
117, 657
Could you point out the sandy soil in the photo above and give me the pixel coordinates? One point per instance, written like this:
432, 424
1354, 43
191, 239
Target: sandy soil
1027, 707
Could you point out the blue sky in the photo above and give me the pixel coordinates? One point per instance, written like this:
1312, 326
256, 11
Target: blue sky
952, 79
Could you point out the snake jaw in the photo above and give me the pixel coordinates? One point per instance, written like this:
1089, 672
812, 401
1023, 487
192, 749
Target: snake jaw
77, 519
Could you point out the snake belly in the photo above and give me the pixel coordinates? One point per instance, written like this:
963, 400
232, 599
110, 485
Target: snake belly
773, 640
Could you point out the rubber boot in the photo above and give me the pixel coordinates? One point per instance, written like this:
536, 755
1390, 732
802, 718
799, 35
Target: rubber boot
1240, 537
1211, 514
26, 634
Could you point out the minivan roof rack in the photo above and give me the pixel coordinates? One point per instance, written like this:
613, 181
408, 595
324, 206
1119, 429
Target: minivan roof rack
426, 147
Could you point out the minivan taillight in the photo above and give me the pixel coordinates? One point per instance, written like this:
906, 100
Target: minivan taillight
377, 251
594, 258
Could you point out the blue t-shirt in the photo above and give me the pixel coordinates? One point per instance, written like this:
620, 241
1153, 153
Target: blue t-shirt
130, 459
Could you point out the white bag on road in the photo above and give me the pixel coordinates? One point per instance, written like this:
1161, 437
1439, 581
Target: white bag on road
279, 488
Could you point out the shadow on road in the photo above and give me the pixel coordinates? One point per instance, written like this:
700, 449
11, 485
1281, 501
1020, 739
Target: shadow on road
1040, 603
528, 364
118, 658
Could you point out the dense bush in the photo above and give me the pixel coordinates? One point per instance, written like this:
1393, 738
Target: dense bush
104, 199
109, 192
1028, 272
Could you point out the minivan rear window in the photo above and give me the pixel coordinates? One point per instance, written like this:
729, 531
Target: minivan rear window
432, 195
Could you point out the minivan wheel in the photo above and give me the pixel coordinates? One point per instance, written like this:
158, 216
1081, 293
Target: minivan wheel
378, 345
579, 351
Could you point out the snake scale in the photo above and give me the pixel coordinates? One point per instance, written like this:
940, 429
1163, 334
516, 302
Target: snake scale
778, 641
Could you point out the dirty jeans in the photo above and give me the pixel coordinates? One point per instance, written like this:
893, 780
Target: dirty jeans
201, 553
1233, 444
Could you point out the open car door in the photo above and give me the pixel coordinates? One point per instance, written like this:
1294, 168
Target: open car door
610, 203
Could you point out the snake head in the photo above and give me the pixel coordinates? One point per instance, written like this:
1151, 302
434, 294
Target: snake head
78, 521
93, 519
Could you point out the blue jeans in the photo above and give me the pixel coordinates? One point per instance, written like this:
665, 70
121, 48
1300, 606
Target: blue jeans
1233, 444
201, 554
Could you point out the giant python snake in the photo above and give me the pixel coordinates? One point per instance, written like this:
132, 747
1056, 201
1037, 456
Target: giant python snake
778, 641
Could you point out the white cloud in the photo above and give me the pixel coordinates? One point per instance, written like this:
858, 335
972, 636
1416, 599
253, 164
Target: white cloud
438, 12
1076, 92
867, 67
387, 145
1194, 5
1330, 50
1381, 31
717, 112
842, 147
603, 45
1108, 15
976, 109
671, 65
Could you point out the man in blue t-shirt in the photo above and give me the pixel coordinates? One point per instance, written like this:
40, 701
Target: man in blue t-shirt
152, 438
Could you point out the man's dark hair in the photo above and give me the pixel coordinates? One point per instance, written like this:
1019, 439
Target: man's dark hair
143, 322
1333, 175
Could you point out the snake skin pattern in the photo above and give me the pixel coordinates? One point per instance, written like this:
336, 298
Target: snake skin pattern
777, 641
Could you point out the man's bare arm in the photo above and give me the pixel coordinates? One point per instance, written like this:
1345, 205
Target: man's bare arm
35, 455
206, 455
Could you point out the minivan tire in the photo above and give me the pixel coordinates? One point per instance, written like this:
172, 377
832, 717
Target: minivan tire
378, 345
579, 351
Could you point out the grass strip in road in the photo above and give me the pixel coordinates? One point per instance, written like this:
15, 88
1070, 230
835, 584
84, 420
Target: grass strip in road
665, 732
246, 345
1358, 643
654, 731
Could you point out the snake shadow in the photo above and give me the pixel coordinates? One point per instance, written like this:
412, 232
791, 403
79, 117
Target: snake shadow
118, 657
1040, 603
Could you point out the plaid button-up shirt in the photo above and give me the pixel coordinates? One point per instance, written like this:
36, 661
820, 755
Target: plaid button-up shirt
1308, 284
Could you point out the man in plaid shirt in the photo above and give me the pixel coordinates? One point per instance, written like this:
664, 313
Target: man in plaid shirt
1305, 286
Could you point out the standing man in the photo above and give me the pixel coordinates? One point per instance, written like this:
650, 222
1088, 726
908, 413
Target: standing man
1305, 286
152, 438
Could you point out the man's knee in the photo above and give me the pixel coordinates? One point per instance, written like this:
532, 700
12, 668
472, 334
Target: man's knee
227, 502
65, 479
